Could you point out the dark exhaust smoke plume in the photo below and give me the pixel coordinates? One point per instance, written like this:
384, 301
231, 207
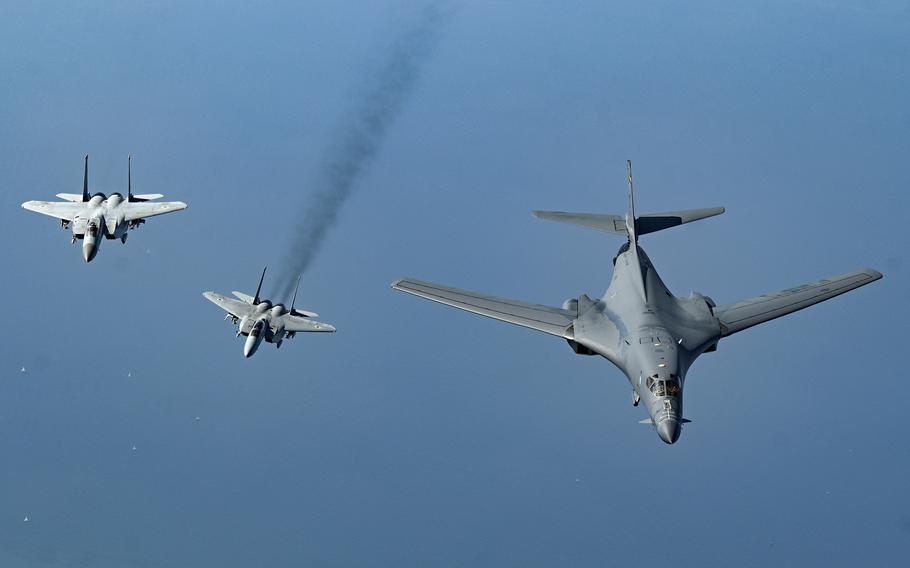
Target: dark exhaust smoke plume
358, 140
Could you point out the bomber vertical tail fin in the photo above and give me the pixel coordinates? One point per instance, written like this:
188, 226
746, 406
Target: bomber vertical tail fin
630, 216
85, 195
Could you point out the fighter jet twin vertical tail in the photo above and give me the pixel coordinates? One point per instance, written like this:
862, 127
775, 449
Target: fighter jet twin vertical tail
652, 336
95, 216
261, 320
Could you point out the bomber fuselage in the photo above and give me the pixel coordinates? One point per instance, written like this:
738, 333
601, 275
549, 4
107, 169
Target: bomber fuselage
651, 335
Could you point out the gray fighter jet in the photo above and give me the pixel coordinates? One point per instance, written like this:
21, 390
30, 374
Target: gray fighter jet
93, 216
652, 336
260, 319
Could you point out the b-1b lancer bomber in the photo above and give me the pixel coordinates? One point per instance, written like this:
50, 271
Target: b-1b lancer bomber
260, 319
93, 216
652, 336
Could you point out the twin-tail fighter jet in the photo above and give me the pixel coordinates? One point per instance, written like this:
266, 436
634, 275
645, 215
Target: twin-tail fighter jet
93, 216
260, 319
652, 336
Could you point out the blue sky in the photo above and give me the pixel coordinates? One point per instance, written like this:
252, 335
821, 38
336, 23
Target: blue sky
418, 435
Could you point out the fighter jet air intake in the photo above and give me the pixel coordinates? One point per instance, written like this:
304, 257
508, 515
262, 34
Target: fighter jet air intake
260, 319
97, 216
652, 336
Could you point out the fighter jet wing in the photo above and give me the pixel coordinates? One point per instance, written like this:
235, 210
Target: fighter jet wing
554, 321
136, 211
742, 315
230, 305
303, 325
61, 210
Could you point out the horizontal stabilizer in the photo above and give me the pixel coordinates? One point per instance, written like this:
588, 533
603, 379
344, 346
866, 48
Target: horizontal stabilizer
245, 297
303, 313
616, 224
147, 196
75, 197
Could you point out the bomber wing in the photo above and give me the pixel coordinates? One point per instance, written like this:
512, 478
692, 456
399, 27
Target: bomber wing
742, 315
61, 210
554, 321
136, 211
230, 305
303, 325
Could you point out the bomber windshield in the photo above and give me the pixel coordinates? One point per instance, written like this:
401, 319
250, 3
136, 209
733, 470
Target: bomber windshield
661, 388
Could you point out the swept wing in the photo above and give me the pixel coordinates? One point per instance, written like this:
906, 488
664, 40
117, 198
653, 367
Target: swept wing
554, 321
61, 210
136, 211
230, 305
303, 325
742, 315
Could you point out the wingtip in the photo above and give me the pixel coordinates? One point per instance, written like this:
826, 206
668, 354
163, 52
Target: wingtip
396, 283
873, 273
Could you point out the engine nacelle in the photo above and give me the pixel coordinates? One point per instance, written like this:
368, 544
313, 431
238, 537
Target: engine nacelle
580, 349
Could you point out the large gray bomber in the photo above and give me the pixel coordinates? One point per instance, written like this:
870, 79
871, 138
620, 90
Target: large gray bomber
95, 216
258, 319
652, 336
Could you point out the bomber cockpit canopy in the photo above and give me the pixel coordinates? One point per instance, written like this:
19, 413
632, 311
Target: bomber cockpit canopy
661, 387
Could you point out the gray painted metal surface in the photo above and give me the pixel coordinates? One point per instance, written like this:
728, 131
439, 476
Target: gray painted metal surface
94, 218
652, 336
261, 320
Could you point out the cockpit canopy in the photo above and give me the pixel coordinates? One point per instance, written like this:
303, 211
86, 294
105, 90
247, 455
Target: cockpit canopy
257, 328
660, 388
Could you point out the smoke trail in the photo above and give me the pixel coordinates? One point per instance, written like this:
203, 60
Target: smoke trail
359, 139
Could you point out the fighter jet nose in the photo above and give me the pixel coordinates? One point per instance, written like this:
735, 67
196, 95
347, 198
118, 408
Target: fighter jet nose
668, 430
89, 252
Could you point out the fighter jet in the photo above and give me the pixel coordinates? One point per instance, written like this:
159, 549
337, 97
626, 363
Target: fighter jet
652, 336
95, 215
260, 319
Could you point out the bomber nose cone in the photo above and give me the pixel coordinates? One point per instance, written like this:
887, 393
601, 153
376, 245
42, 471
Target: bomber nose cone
668, 430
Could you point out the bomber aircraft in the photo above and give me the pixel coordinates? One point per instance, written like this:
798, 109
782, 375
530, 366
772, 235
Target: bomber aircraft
652, 336
260, 319
95, 216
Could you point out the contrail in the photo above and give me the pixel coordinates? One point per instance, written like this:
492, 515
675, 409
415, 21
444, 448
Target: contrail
358, 140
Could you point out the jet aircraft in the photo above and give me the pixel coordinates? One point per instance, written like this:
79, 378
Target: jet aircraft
260, 319
93, 216
652, 336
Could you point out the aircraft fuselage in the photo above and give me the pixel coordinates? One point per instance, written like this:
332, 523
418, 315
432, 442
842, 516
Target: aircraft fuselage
651, 336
